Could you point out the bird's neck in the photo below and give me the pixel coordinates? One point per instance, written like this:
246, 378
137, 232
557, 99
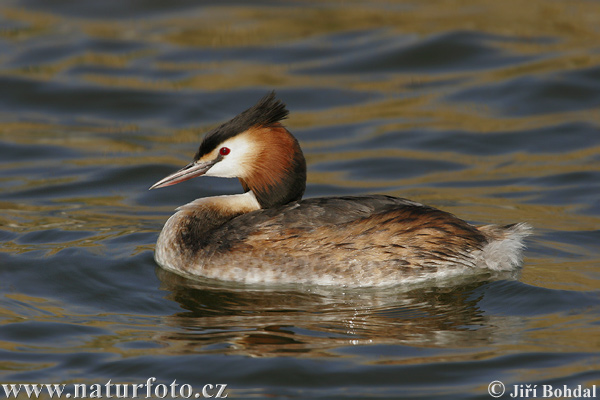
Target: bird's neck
193, 226
279, 174
223, 207
201, 216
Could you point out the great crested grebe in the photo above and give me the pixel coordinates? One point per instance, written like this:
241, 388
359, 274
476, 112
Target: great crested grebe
269, 234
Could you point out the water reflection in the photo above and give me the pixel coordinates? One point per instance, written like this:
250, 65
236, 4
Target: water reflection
262, 321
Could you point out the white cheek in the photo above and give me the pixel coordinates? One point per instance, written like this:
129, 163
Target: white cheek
236, 164
226, 168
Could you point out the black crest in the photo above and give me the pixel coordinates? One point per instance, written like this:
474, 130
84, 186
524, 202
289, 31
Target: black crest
267, 111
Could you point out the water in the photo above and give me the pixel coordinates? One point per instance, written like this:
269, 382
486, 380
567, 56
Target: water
489, 110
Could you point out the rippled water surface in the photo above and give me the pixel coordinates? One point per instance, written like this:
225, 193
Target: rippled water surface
486, 109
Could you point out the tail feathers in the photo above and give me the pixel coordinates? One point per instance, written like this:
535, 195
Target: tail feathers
504, 250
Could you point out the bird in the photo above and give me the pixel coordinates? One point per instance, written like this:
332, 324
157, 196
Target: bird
270, 235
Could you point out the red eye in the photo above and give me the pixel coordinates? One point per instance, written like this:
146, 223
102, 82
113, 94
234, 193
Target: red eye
224, 151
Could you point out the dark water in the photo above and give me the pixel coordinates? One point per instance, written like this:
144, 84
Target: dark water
490, 110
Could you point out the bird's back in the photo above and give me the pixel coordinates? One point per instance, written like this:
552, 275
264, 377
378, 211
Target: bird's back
364, 240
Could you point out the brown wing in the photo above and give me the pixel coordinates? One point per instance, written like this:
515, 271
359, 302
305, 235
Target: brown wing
328, 235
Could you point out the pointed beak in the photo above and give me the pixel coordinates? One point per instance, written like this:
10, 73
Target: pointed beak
190, 171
